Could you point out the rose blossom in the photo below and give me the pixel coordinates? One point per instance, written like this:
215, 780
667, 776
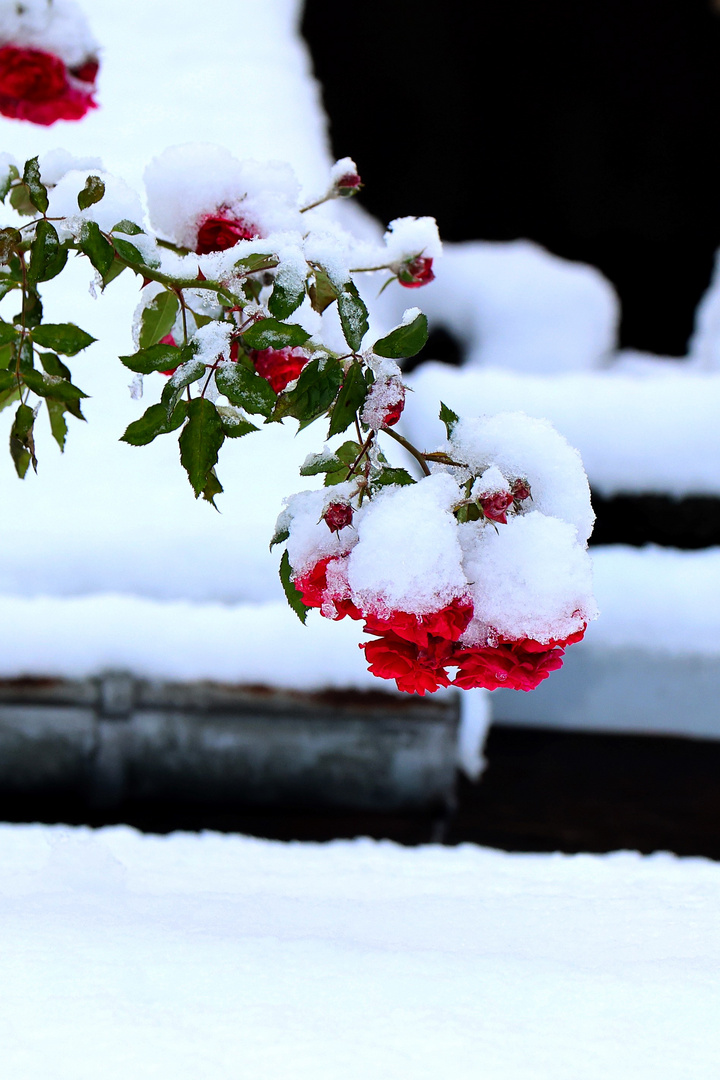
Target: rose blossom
36, 86
416, 272
217, 232
279, 367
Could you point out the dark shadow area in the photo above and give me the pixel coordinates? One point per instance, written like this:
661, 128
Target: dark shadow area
690, 523
541, 791
441, 345
589, 128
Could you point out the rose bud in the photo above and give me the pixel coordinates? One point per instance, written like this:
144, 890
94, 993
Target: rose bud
495, 505
337, 515
218, 233
416, 272
520, 489
349, 184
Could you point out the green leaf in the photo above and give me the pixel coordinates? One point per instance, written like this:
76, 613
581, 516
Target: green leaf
51, 387
321, 291
131, 254
7, 379
246, 388
351, 397
7, 355
314, 393
188, 372
9, 240
92, 192
285, 298
6, 180
293, 597
7, 397
449, 418
154, 422
257, 261
353, 315
158, 318
20, 201
7, 285
22, 445
405, 340
8, 332
116, 269
271, 334
58, 424
391, 476
53, 365
347, 455
37, 192
127, 227
156, 358
65, 338
47, 256
212, 488
235, 425
279, 537
320, 463
200, 441
98, 250
32, 312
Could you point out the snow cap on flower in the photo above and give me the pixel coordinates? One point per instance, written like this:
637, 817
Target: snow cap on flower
310, 540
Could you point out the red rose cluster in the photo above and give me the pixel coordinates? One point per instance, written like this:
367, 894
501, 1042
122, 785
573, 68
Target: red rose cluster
417, 650
37, 86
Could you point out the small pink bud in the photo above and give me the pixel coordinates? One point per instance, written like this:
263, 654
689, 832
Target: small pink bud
495, 506
416, 272
337, 516
520, 489
349, 184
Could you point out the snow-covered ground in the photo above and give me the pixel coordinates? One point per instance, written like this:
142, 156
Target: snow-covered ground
226, 957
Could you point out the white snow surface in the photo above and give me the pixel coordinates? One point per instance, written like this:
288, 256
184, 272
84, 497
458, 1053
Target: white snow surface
222, 956
60, 27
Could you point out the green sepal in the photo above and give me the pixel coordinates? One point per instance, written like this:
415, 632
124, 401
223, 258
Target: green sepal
37, 192
99, 251
293, 597
321, 291
154, 422
314, 392
22, 444
347, 455
271, 334
47, 256
246, 388
284, 300
200, 442
449, 418
92, 192
158, 318
405, 340
353, 315
351, 397
155, 358
65, 338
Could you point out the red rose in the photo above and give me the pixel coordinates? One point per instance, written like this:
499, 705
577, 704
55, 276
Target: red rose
447, 623
279, 366
414, 670
34, 86
313, 588
86, 72
416, 272
217, 233
520, 490
337, 516
516, 665
494, 506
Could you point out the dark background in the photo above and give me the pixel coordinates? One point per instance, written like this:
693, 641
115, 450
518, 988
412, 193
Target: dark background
589, 127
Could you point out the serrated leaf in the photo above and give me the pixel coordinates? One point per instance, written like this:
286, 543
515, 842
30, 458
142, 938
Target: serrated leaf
285, 298
212, 488
200, 443
22, 445
129, 228
99, 251
347, 455
188, 372
152, 423
314, 392
37, 192
53, 365
58, 424
353, 315
293, 597
405, 340
155, 358
65, 338
235, 425
115, 270
322, 292
320, 463
92, 192
391, 476
449, 418
279, 537
8, 332
47, 256
49, 387
351, 397
158, 318
245, 388
132, 254
257, 261
271, 334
